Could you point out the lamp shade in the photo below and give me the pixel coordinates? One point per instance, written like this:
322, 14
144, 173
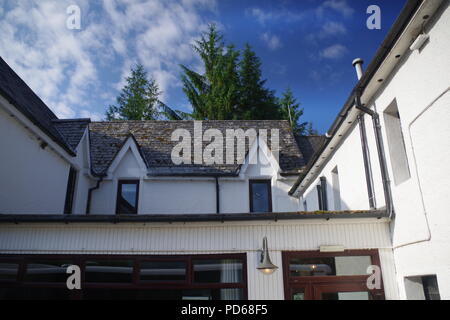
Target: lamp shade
265, 265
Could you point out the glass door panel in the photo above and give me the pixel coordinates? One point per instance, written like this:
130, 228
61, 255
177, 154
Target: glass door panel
342, 291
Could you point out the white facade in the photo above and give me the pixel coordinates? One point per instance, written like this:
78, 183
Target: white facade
25, 168
209, 238
190, 195
420, 86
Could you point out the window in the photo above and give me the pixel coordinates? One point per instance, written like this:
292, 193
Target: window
336, 189
322, 194
396, 142
218, 271
121, 277
8, 270
305, 205
127, 197
163, 271
100, 270
47, 270
422, 288
314, 275
70, 191
260, 196
329, 266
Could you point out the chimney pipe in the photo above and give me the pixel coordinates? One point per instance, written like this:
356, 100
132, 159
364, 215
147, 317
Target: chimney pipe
357, 63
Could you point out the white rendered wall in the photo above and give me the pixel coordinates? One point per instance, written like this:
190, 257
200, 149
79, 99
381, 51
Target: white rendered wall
191, 195
421, 203
208, 238
420, 231
352, 182
33, 180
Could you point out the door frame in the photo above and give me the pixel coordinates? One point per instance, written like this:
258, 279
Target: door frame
313, 284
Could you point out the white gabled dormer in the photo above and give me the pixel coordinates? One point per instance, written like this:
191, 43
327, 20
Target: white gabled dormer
128, 162
260, 162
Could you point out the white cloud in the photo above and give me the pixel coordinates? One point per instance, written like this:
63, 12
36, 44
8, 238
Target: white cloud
263, 16
66, 67
332, 28
340, 6
335, 52
328, 29
273, 42
94, 116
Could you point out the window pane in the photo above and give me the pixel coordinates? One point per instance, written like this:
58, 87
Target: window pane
218, 271
34, 294
329, 266
127, 200
109, 271
299, 294
430, 288
168, 294
8, 271
163, 271
346, 296
260, 197
47, 271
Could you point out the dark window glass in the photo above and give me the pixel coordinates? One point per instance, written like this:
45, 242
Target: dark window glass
168, 294
47, 271
329, 266
218, 271
109, 271
299, 294
34, 294
363, 295
163, 271
70, 192
260, 196
322, 194
430, 288
127, 197
8, 270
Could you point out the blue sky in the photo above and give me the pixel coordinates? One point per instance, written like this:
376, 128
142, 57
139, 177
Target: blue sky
307, 45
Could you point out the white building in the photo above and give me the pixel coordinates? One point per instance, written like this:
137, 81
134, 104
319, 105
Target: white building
408, 89
108, 198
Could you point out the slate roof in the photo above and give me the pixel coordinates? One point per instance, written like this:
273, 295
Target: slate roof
17, 92
72, 130
154, 140
152, 137
310, 145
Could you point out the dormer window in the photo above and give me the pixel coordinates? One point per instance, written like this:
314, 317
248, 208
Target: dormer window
127, 197
260, 196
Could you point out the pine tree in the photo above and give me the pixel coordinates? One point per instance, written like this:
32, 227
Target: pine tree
292, 112
256, 102
138, 99
310, 131
214, 94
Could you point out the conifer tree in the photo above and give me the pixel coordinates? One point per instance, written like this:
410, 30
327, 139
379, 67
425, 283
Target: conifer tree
138, 99
292, 112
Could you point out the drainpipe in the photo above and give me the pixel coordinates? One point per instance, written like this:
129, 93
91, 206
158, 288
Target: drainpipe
88, 205
357, 63
381, 154
217, 195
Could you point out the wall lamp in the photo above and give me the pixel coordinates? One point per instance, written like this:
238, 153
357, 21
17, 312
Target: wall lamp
265, 264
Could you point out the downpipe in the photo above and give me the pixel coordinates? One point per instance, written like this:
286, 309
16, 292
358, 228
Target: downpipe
88, 204
381, 154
